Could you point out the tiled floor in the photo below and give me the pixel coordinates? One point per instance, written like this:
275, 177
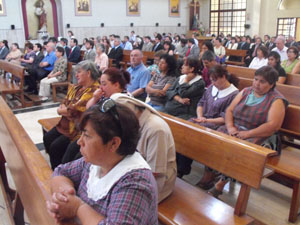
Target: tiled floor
269, 205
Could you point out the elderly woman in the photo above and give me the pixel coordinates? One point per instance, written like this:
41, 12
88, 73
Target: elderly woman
101, 59
274, 61
219, 50
15, 54
289, 64
160, 83
210, 113
261, 58
111, 183
58, 74
255, 115
184, 94
58, 138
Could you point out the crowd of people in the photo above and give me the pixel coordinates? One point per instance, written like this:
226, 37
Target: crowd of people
112, 154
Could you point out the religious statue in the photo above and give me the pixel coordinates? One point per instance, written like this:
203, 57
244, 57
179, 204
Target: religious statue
40, 12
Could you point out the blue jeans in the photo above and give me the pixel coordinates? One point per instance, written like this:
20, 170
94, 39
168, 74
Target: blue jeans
157, 107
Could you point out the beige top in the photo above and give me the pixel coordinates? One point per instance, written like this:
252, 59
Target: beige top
14, 55
157, 146
102, 61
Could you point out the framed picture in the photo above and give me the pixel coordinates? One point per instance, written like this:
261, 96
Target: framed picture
133, 7
83, 7
174, 8
2, 8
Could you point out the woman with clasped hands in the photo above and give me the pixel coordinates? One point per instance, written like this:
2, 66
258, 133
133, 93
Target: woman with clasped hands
111, 183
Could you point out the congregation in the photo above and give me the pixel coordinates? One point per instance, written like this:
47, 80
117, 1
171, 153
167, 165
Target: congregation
113, 155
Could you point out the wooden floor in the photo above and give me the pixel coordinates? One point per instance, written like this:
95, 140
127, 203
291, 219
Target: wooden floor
269, 205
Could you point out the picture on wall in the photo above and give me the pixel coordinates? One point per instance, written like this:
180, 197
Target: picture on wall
133, 7
174, 8
83, 7
2, 8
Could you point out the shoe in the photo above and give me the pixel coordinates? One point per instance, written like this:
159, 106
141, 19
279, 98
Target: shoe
43, 99
206, 186
214, 192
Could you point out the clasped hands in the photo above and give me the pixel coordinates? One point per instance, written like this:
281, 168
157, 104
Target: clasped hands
233, 131
64, 204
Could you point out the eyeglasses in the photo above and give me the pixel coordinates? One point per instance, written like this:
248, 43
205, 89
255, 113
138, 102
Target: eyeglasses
107, 105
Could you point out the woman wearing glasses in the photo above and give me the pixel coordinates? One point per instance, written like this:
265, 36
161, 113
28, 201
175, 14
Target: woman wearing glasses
289, 64
111, 183
58, 138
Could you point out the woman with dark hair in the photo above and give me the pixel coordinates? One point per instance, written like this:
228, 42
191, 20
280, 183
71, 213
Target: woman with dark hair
261, 58
168, 48
184, 94
58, 138
206, 46
274, 61
255, 115
211, 113
111, 183
160, 83
15, 54
219, 50
107, 46
112, 81
289, 64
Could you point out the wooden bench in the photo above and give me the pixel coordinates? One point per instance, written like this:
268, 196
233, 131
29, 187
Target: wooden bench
14, 85
237, 53
245, 72
29, 170
62, 84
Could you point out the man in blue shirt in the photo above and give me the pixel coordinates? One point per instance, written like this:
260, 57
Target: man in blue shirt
128, 45
139, 75
44, 68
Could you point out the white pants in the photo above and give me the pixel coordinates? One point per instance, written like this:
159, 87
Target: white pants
45, 86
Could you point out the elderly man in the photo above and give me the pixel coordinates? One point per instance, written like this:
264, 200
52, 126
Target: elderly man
139, 75
44, 68
116, 53
281, 49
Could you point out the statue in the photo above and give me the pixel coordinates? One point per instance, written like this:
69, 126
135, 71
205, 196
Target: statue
40, 12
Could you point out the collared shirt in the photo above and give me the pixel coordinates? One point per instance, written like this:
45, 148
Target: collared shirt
132, 200
282, 53
128, 46
139, 77
50, 58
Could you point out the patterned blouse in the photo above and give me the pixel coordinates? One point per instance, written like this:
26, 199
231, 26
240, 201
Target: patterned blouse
131, 200
75, 102
60, 65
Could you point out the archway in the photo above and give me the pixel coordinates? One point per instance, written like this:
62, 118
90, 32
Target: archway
52, 15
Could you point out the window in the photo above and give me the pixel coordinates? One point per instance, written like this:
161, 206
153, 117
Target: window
286, 26
228, 16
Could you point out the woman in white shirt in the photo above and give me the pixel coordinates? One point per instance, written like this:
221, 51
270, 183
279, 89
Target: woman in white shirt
219, 50
261, 59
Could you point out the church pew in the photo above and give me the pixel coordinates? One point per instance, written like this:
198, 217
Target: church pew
245, 72
237, 53
14, 85
29, 170
291, 93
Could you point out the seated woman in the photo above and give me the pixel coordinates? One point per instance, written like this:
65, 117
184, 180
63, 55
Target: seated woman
154, 69
261, 59
219, 50
111, 183
160, 83
15, 54
255, 115
58, 74
296, 69
112, 81
101, 59
168, 48
210, 113
274, 61
184, 94
289, 64
58, 138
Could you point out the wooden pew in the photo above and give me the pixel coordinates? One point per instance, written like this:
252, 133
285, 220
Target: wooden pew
245, 72
14, 85
238, 53
291, 93
62, 84
29, 170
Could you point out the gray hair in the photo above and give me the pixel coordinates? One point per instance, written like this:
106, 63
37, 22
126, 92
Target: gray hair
280, 38
88, 65
209, 56
140, 51
101, 46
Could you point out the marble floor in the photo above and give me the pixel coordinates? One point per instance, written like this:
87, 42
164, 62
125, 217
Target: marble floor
270, 204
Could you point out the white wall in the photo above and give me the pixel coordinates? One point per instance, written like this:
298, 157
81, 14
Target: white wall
253, 16
112, 13
13, 16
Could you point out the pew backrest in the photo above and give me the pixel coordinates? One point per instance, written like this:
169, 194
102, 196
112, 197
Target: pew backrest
16, 70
